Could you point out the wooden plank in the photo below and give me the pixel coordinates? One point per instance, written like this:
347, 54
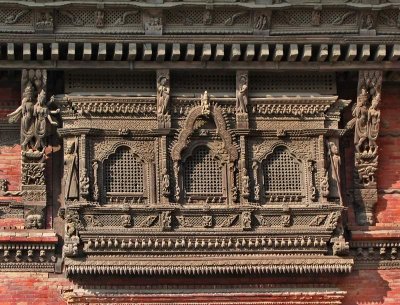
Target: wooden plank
250, 52
322, 53
206, 52
160, 52
118, 51
235, 52
293, 52
132, 51
176, 52
87, 51
190, 52
26, 51
307, 53
335, 54
55, 52
102, 52
147, 51
39, 52
219, 52
264, 53
365, 52
71, 51
351, 52
395, 53
380, 53
278, 52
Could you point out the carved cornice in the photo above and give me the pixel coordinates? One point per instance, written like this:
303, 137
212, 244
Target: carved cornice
234, 264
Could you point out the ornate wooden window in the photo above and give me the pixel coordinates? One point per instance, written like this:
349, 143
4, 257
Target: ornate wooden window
123, 173
282, 174
203, 174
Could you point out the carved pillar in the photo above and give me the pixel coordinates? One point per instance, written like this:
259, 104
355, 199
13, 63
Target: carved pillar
244, 174
165, 171
242, 118
36, 118
366, 128
163, 99
83, 172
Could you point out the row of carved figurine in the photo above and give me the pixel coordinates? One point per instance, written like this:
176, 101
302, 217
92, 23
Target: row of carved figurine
30, 255
205, 244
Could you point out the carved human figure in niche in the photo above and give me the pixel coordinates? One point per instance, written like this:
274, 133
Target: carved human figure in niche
374, 117
99, 18
334, 171
42, 114
84, 183
162, 96
207, 18
245, 182
241, 96
71, 171
165, 182
34, 221
360, 114
205, 103
25, 113
246, 220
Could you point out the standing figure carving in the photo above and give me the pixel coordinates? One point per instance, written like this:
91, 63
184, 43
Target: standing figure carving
205, 103
374, 116
334, 171
165, 182
25, 112
42, 114
241, 96
360, 114
71, 171
163, 93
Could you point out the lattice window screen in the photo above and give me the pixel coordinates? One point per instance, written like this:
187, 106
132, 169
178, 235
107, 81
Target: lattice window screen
203, 175
282, 174
123, 172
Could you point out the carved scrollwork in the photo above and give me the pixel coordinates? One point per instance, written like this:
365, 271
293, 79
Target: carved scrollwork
143, 149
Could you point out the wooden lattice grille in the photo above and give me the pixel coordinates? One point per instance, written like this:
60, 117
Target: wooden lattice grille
123, 172
282, 174
203, 175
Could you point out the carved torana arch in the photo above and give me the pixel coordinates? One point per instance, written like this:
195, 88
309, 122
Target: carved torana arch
216, 114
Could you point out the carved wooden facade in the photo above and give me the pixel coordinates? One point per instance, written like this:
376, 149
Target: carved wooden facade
195, 155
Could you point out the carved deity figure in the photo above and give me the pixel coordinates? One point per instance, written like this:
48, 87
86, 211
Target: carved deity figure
334, 171
99, 15
374, 116
241, 96
162, 96
84, 183
71, 171
34, 221
25, 113
360, 114
42, 114
165, 182
205, 103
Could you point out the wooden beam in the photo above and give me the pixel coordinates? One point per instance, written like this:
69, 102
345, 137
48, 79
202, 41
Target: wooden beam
10, 51
132, 51
278, 52
250, 52
264, 53
206, 52
26, 51
39, 52
351, 52
190, 52
102, 52
160, 52
235, 52
118, 51
55, 53
365, 52
335, 54
71, 51
293, 52
307, 53
147, 51
87, 51
322, 53
395, 53
219, 52
380, 53
176, 52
